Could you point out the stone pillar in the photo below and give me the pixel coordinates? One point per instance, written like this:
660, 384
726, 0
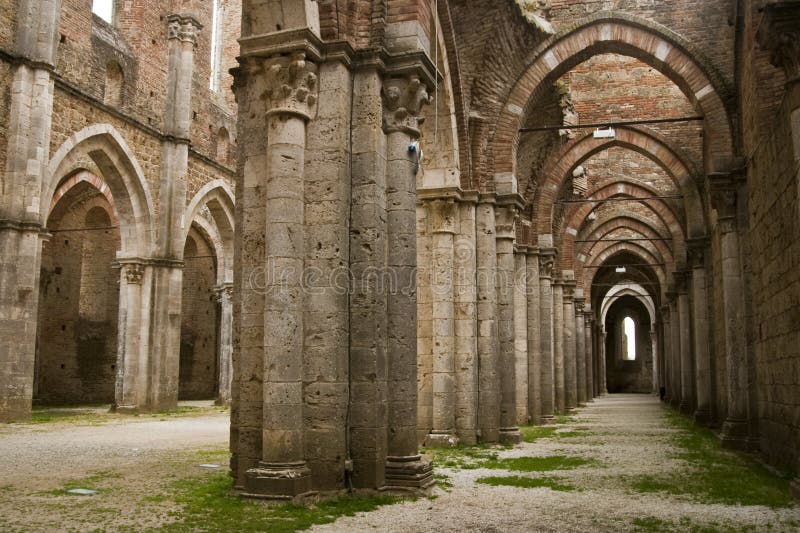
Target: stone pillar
131, 380
466, 325
225, 361
442, 217
656, 357
590, 357
702, 353
488, 347
602, 366
723, 197
522, 361
534, 337
580, 347
291, 90
506, 268
675, 356
558, 345
666, 360
685, 332
546, 334
29, 114
403, 97
570, 345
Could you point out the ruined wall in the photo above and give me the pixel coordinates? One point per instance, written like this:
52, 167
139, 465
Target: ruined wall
628, 376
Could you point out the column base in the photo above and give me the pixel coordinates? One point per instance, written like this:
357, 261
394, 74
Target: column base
734, 434
548, 420
702, 417
510, 436
444, 439
125, 409
409, 474
273, 481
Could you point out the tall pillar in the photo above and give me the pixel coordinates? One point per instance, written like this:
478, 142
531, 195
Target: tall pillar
546, 333
282, 470
488, 346
225, 361
675, 356
702, 353
558, 345
685, 332
603, 362
590, 357
656, 356
534, 337
404, 96
570, 345
21, 228
524, 414
723, 196
666, 350
580, 346
506, 268
442, 216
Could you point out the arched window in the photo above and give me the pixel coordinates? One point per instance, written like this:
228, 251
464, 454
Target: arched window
223, 145
629, 346
104, 9
114, 84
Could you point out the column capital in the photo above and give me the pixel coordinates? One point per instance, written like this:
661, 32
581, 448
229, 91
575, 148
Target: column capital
134, 272
682, 278
183, 28
547, 261
532, 251
580, 302
696, 249
291, 85
569, 289
722, 190
779, 33
506, 221
224, 292
403, 96
442, 216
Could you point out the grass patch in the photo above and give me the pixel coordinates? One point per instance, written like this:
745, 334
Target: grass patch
210, 505
716, 475
443, 482
534, 433
463, 457
651, 523
96, 481
537, 464
566, 419
527, 482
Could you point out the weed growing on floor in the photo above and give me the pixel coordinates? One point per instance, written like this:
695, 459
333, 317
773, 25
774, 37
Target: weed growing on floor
566, 419
443, 482
462, 456
537, 464
527, 482
96, 481
534, 433
716, 475
209, 504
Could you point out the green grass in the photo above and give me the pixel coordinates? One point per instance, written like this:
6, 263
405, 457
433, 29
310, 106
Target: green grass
463, 457
715, 475
443, 482
534, 433
537, 464
209, 504
527, 482
96, 481
566, 419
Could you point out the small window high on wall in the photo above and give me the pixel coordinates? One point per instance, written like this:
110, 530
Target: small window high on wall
629, 346
104, 9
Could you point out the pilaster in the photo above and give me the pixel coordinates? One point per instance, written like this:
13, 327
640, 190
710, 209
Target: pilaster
570, 345
702, 352
580, 346
546, 334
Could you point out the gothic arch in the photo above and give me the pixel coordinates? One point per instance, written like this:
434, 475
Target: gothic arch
120, 172
608, 32
218, 197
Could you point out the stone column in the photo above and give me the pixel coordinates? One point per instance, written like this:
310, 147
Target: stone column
466, 324
558, 345
488, 346
546, 334
675, 356
702, 353
654, 351
603, 374
666, 360
403, 97
580, 347
534, 337
225, 361
506, 232
590, 358
522, 358
685, 336
570, 346
291, 90
442, 217
723, 197
29, 114
131, 379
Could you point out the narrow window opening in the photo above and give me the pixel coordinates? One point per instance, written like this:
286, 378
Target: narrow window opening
104, 9
629, 346
114, 84
216, 47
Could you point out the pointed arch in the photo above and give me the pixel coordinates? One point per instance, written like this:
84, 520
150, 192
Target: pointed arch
218, 197
120, 172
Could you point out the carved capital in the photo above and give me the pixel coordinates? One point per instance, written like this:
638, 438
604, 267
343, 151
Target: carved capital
682, 278
723, 195
291, 85
442, 216
183, 28
579, 305
779, 33
224, 293
547, 261
697, 252
569, 290
506, 221
403, 98
134, 272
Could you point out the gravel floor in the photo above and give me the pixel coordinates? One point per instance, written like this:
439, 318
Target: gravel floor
627, 436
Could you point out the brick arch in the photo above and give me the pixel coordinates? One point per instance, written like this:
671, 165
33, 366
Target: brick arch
647, 143
84, 176
628, 289
615, 249
641, 228
218, 197
609, 32
123, 175
606, 190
